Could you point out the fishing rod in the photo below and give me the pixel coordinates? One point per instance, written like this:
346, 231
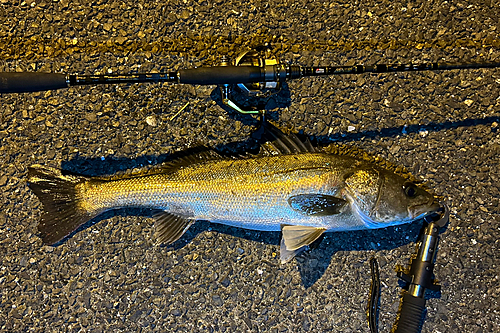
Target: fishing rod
418, 277
253, 73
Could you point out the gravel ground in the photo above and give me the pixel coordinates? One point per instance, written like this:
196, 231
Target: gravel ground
442, 126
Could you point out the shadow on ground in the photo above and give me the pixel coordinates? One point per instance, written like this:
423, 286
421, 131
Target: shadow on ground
321, 252
312, 263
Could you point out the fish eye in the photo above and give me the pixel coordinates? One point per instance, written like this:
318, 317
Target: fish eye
410, 190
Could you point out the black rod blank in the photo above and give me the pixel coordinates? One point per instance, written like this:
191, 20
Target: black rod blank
29, 82
360, 69
80, 80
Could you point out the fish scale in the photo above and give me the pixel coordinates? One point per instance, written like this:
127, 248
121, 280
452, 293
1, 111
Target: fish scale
289, 186
251, 193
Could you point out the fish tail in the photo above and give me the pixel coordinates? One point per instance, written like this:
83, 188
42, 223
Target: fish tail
60, 198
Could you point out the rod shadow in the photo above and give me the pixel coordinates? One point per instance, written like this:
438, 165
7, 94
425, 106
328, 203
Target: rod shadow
410, 129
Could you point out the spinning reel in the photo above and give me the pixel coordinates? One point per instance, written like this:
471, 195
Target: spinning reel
275, 74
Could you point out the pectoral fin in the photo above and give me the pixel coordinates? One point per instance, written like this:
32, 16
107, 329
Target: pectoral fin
295, 238
317, 204
170, 227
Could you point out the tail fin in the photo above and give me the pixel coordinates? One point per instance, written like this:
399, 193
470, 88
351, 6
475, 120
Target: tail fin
59, 197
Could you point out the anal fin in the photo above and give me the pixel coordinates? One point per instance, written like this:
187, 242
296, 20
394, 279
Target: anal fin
295, 238
170, 227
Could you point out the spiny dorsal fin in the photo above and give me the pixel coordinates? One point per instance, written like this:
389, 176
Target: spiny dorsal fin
275, 142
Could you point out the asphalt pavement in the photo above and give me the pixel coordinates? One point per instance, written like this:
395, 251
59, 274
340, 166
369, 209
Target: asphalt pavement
443, 126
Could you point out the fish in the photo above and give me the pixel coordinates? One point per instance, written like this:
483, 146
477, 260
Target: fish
290, 186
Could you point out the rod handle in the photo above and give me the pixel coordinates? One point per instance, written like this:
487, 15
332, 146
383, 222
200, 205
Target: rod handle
412, 311
13, 82
221, 75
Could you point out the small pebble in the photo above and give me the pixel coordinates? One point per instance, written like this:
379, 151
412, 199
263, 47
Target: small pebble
151, 121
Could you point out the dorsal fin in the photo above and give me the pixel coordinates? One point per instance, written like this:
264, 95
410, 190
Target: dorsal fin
183, 158
192, 156
274, 142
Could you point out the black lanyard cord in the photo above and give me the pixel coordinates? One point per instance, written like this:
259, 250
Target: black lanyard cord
374, 300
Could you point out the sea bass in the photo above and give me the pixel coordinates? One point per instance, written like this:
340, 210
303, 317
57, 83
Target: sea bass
289, 186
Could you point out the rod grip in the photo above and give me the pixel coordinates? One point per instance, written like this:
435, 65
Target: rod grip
221, 75
410, 317
13, 82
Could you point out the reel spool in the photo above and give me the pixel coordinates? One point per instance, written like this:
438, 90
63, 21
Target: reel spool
274, 74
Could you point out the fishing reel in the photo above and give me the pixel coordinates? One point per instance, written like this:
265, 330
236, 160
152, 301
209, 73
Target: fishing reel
274, 74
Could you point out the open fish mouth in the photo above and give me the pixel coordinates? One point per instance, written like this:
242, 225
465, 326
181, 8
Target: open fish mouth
417, 211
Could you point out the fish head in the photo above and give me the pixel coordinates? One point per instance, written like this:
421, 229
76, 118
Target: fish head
382, 198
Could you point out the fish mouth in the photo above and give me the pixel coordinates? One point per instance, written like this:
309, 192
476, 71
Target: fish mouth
417, 211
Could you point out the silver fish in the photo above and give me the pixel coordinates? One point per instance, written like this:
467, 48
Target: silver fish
289, 186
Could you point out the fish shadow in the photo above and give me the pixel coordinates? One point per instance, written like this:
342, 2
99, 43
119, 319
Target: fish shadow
313, 263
